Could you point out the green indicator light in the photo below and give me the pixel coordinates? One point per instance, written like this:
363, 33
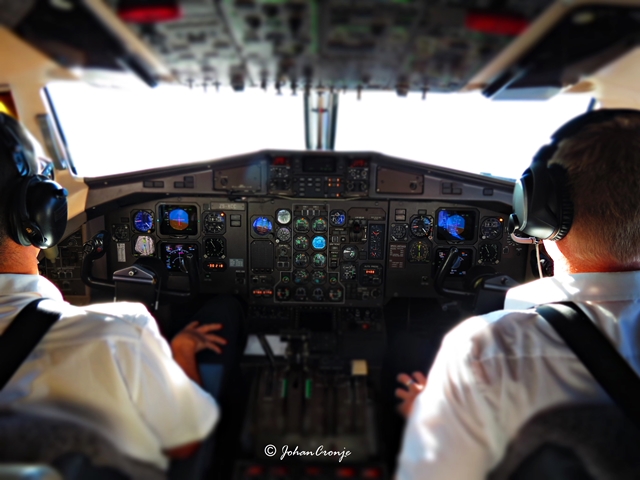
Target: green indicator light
283, 393
307, 388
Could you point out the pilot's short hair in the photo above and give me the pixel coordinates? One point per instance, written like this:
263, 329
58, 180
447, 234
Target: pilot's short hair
603, 166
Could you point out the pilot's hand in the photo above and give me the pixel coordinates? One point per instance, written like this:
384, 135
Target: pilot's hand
413, 386
195, 337
192, 339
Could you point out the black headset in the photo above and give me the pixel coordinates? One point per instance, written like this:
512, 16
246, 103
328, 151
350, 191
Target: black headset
37, 206
541, 201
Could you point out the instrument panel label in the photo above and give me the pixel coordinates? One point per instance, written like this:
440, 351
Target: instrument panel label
397, 255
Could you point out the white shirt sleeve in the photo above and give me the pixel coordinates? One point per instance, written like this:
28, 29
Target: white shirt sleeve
452, 431
174, 407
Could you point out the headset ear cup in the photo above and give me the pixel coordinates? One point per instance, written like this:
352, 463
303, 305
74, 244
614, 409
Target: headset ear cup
564, 205
47, 210
566, 217
18, 215
38, 216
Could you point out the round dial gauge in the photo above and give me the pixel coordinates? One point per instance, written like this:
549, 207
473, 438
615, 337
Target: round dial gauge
319, 260
489, 253
143, 221
283, 216
418, 251
348, 271
283, 234
144, 246
421, 226
350, 252
300, 276
262, 226
301, 225
301, 260
301, 242
214, 222
319, 224
214, 248
338, 218
318, 277
491, 228
398, 232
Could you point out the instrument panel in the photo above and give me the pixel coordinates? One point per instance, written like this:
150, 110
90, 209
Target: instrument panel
294, 251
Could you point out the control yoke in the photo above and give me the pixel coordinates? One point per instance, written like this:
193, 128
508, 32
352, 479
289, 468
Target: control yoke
136, 276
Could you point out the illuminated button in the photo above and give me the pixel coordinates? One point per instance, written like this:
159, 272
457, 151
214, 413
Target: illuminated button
319, 243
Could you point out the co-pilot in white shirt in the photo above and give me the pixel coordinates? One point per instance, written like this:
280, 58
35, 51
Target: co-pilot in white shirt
106, 367
496, 371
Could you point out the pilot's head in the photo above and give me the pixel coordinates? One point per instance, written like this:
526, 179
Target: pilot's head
33, 208
590, 179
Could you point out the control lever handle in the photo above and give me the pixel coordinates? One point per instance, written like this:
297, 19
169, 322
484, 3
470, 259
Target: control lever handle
94, 249
444, 271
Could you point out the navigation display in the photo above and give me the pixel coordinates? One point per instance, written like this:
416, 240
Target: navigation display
456, 225
178, 219
174, 255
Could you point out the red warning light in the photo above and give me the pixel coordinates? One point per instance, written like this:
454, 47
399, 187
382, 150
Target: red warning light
149, 13
280, 161
496, 24
359, 164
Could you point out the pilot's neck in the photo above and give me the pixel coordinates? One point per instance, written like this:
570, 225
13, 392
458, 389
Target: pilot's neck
15, 258
565, 261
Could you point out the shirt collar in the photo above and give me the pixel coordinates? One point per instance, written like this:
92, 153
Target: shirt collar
12, 284
579, 287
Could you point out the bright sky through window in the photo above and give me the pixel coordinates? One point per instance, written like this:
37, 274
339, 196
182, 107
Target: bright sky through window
118, 130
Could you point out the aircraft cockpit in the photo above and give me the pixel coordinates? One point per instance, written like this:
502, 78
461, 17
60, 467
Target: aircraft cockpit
350, 261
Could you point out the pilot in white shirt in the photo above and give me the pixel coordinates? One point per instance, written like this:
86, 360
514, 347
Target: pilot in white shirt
103, 366
494, 372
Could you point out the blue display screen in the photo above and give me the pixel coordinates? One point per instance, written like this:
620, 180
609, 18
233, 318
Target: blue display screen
143, 221
456, 225
262, 226
319, 243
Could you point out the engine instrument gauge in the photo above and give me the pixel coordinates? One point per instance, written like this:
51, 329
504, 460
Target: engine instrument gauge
283, 234
144, 246
319, 260
143, 221
319, 224
338, 218
489, 253
350, 252
318, 277
300, 276
214, 223
491, 228
348, 271
262, 226
418, 251
215, 248
301, 242
421, 226
301, 260
283, 216
301, 225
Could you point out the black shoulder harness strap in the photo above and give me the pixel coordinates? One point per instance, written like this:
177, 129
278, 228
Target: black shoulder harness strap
598, 355
22, 335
